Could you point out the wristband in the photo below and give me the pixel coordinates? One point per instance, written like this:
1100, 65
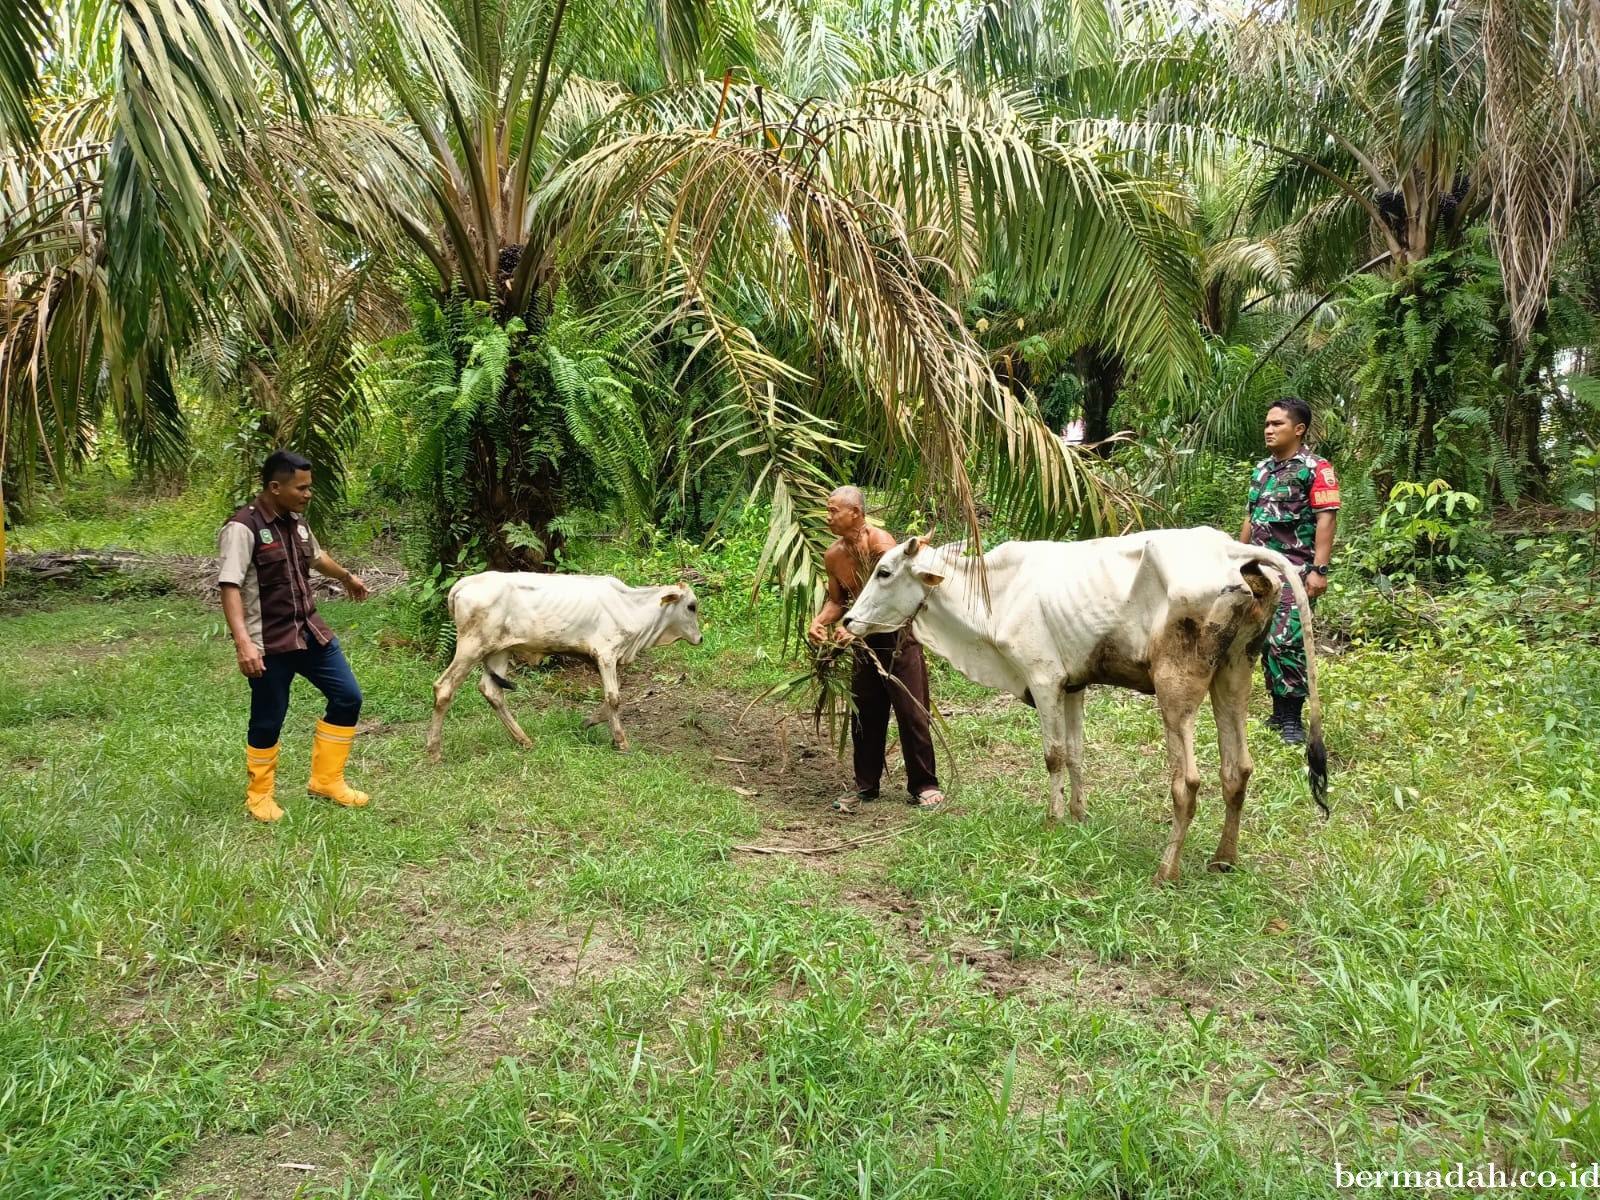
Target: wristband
1318, 569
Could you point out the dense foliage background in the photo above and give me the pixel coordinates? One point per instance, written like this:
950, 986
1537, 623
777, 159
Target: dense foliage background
535, 267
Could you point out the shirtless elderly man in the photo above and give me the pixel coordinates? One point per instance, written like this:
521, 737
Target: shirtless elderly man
902, 684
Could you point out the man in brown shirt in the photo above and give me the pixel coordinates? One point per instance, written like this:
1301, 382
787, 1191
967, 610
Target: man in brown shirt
889, 672
265, 555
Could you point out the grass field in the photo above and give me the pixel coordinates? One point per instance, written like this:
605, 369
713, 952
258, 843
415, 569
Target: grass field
555, 972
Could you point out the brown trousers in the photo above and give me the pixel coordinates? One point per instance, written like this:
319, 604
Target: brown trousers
900, 655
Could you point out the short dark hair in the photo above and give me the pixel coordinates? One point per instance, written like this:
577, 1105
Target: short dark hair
282, 464
1299, 411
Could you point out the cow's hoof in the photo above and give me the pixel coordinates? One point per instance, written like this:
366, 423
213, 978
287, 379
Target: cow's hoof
590, 722
1221, 866
1164, 877
621, 747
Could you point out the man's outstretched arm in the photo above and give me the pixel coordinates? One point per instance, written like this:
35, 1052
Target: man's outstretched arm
324, 564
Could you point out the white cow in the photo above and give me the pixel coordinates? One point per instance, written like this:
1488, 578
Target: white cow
500, 615
1179, 612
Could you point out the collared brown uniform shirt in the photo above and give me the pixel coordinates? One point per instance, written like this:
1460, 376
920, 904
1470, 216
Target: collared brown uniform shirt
269, 560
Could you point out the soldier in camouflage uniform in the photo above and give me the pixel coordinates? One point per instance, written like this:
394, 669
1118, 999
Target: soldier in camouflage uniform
1293, 507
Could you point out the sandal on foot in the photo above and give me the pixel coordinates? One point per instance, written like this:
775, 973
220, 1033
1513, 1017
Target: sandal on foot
852, 801
927, 800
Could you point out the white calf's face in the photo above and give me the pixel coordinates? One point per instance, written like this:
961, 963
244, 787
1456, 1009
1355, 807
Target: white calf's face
682, 617
897, 589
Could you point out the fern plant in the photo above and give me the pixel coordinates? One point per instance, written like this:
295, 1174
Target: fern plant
505, 428
1429, 391
591, 374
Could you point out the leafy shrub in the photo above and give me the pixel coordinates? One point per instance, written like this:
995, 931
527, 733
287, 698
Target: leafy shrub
1213, 492
1426, 531
1551, 600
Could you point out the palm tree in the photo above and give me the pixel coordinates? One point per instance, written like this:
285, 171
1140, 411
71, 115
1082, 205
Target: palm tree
1418, 119
206, 154
1398, 109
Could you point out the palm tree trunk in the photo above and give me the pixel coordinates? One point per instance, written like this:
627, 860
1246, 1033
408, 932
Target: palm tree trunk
1522, 414
1101, 369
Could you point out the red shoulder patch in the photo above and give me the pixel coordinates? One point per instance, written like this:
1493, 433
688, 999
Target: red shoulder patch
1324, 487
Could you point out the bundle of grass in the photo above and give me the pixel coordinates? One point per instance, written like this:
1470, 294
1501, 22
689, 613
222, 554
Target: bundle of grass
821, 693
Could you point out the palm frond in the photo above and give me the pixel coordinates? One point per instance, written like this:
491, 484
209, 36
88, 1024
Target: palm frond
1539, 68
22, 33
837, 266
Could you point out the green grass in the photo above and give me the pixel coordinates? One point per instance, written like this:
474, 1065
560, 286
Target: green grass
103, 510
549, 972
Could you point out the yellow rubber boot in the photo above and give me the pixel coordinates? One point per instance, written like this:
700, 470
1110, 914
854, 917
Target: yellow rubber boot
263, 767
329, 753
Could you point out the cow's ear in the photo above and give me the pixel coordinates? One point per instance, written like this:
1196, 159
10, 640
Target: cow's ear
911, 546
669, 596
929, 578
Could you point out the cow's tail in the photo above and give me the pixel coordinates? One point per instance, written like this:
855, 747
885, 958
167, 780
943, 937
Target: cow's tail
1316, 749
452, 598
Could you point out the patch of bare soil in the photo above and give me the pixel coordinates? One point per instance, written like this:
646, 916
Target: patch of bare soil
518, 971
140, 1008
777, 761
275, 1166
378, 727
508, 976
827, 842
496, 978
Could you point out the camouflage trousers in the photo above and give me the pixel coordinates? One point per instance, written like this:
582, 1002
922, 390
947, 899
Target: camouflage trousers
1283, 658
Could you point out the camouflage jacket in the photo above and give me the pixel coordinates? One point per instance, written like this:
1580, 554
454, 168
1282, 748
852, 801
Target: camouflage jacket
1285, 498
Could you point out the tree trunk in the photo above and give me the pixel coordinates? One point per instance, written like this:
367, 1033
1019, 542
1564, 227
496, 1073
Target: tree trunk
1101, 370
516, 497
1522, 408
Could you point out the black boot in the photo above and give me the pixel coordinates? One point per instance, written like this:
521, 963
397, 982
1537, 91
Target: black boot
1289, 727
1275, 721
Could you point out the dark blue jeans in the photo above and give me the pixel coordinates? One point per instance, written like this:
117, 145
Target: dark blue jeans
329, 673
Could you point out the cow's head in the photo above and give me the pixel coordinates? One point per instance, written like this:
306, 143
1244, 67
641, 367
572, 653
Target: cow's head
897, 589
680, 616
